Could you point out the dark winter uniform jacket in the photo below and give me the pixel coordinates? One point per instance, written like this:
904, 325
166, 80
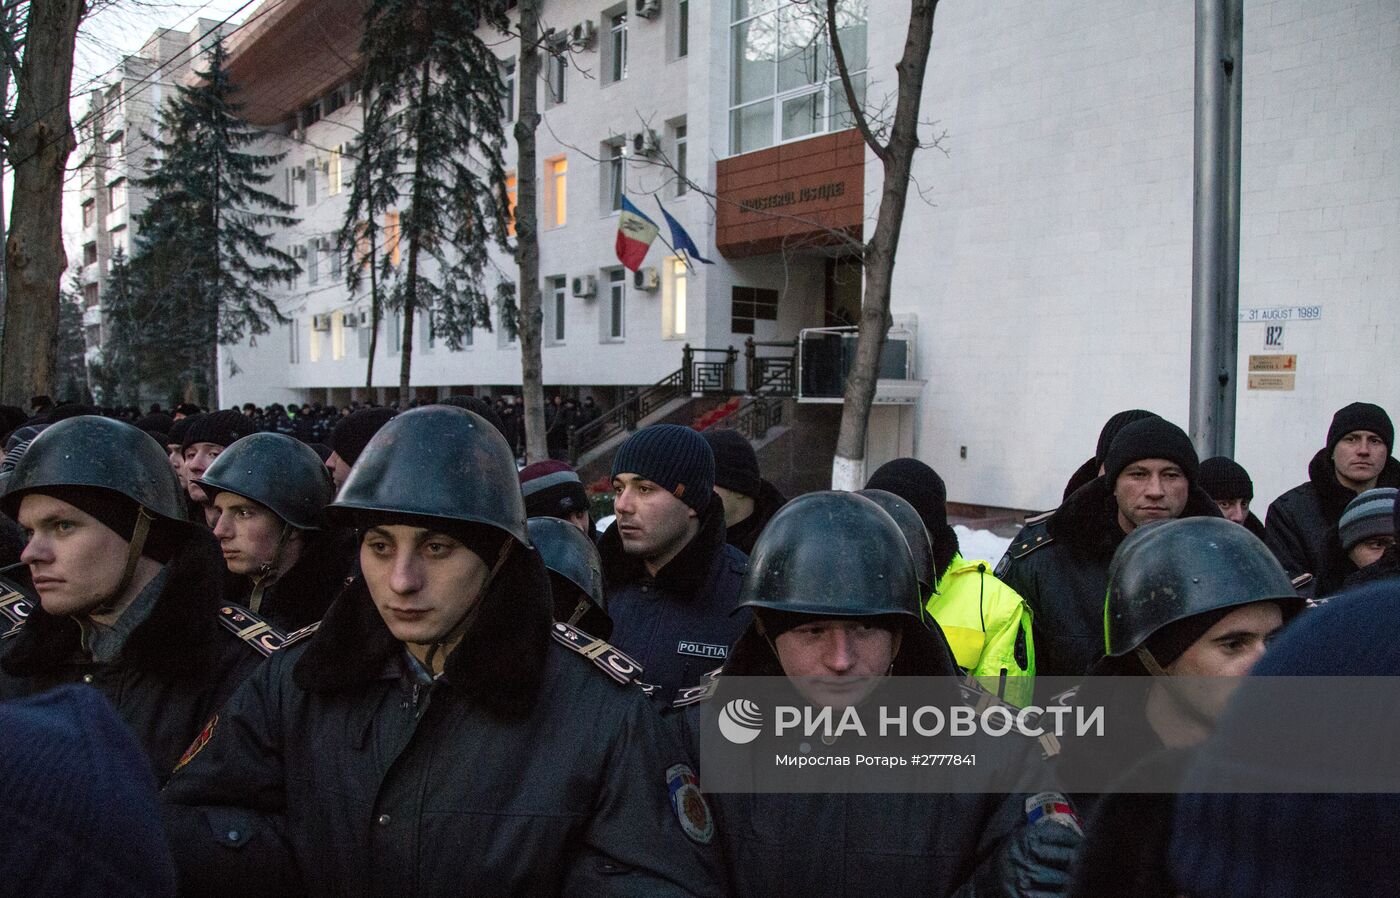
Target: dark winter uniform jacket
302, 595
849, 845
175, 670
679, 624
1059, 565
744, 534
339, 770
1301, 526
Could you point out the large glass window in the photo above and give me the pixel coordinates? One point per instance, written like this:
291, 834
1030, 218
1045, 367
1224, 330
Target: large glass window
617, 303
554, 68
556, 192
783, 78
617, 47
614, 176
682, 28
558, 291
508, 89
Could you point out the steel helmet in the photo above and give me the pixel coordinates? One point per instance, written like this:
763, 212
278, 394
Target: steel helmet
437, 461
277, 471
100, 453
567, 553
915, 534
1171, 570
832, 553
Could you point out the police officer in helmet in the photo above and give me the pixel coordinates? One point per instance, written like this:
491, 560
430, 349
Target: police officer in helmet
838, 610
129, 591
575, 574
436, 736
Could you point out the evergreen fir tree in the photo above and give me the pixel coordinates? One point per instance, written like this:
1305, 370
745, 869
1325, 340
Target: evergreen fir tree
432, 148
205, 255
70, 369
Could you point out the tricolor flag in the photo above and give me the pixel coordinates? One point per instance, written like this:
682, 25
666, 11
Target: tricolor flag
680, 240
635, 232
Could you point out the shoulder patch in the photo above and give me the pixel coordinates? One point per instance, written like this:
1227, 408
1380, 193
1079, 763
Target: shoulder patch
15, 609
198, 744
609, 659
689, 805
694, 695
1040, 518
1019, 550
261, 636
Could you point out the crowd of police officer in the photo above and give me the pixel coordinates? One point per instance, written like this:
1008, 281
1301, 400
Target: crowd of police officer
407, 667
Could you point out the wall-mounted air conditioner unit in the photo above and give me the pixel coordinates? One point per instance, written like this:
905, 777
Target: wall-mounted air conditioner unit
582, 35
320, 322
298, 252
324, 244
558, 38
298, 174
644, 143
646, 279
647, 9
585, 285
352, 319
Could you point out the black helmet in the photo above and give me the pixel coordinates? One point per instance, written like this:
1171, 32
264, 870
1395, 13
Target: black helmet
915, 534
103, 453
1171, 570
832, 553
569, 554
441, 462
274, 470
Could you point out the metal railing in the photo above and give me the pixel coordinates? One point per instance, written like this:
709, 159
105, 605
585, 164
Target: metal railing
770, 375
754, 417
624, 416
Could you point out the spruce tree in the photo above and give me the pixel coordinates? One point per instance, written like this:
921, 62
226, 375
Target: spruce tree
204, 252
431, 149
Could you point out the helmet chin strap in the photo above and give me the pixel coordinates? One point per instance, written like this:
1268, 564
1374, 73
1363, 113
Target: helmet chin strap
462, 626
133, 555
1173, 689
267, 571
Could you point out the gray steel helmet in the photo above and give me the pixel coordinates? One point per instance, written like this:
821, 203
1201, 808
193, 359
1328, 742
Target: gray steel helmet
274, 470
437, 461
915, 534
103, 453
567, 553
1171, 570
832, 553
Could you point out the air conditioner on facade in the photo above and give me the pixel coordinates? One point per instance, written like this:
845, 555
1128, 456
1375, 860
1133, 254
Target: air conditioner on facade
582, 35
644, 143
298, 174
352, 319
646, 279
320, 322
585, 285
324, 244
298, 252
557, 38
647, 9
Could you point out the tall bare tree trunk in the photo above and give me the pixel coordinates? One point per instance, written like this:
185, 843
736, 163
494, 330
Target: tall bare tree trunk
39, 139
410, 294
527, 236
896, 158
376, 308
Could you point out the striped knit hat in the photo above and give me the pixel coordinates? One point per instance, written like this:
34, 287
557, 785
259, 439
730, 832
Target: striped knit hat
1370, 514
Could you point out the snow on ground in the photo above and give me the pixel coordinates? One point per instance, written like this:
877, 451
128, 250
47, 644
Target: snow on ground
983, 545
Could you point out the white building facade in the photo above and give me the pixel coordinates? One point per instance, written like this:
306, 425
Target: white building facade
1045, 265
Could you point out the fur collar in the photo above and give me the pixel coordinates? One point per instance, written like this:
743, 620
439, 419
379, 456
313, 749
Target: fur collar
945, 549
302, 595
177, 638
685, 575
1083, 475
1331, 495
1088, 521
500, 663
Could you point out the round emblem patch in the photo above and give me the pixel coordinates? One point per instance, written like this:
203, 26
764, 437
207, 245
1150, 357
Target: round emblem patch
689, 805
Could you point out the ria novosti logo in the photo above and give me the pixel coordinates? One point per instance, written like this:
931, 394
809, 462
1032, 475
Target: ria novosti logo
740, 721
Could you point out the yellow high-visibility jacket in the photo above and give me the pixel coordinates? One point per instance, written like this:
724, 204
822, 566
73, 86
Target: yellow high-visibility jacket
988, 626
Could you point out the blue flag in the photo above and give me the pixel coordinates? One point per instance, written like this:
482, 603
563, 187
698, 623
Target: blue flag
680, 240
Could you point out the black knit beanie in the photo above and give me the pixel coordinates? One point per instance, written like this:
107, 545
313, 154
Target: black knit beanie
672, 456
1151, 438
178, 429
1225, 479
222, 428
919, 485
1115, 424
118, 514
1172, 641
736, 464
1360, 416
353, 433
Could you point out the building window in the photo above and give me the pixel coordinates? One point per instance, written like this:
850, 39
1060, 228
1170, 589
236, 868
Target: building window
118, 240
682, 178
291, 193
682, 28
614, 175
616, 63
395, 333
617, 303
116, 194
556, 192
554, 310
313, 263
512, 193
508, 89
554, 67
313, 353
783, 79
89, 213
337, 336
428, 331
673, 308
507, 316
391, 239
336, 263
294, 330
752, 304
90, 296
365, 334
310, 181
333, 185
89, 253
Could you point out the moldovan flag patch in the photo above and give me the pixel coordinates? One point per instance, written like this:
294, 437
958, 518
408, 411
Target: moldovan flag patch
199, 742
689, 805
635, 232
